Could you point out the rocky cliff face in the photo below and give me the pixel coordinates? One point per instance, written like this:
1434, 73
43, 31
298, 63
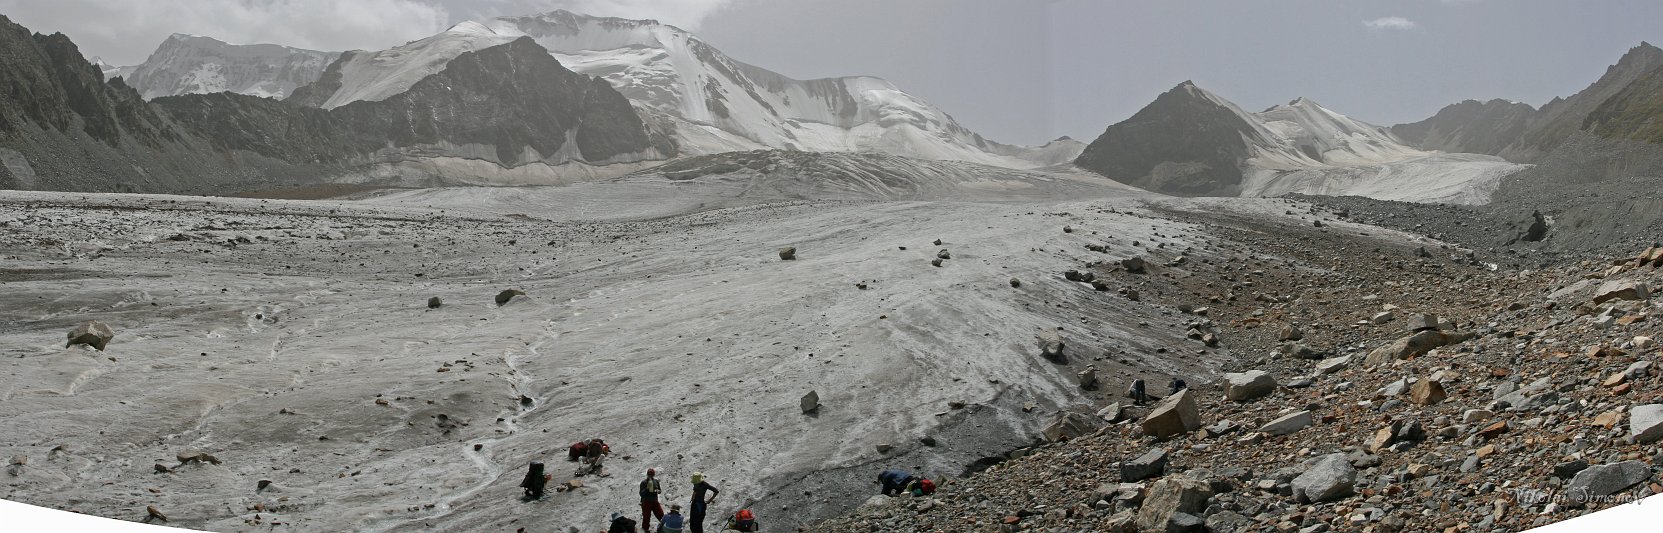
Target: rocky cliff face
63, 127
1634, 113
1186, 142
1514, 132
1469, 126
190, 64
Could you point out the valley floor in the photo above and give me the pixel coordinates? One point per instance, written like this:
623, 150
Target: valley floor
293, 341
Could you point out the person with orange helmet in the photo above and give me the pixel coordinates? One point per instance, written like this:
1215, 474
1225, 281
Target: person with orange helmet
743, 520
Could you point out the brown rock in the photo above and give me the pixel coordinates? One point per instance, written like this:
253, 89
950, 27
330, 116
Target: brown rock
505, 296
1608, 418
1383, 438
1427, 392
1173, 415
1621, 290
1492, 430
154, 514
1169, 496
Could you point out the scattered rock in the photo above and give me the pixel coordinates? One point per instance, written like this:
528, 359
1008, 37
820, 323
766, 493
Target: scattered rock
1330, 478
1050, 344
1173, 415
1151, 464
1332, 364
1645, 422
1088, 378
943, 254
1621, 290
1132, 264
1069, 425
1288, 424
193, 455
1413, 345
1015, 283
810, 402
1608, 479
1290, 332
885, 447
1422, 322
788, 253
1427, 392
434, 302
151, 513
94, 333
1112, 412
1241, 387
508, 295
1172, 496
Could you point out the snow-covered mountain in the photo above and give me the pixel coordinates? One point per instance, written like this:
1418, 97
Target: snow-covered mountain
190, 64
1193, 142
713, 102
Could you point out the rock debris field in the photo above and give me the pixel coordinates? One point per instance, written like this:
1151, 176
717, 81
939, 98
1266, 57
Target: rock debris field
345, 365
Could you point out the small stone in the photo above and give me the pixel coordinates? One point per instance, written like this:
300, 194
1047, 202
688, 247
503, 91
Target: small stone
508, 295
1474, 416
885, 447
434, 302
810, 402
1134, 265
1289, 332
1621, 290
1015, 283
788, 253
1422, 322
1332, 364
943, 254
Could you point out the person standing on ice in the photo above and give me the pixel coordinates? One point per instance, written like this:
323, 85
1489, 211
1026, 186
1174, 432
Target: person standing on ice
700, 501
649, 500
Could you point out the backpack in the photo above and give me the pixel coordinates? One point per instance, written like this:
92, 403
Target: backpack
927, 487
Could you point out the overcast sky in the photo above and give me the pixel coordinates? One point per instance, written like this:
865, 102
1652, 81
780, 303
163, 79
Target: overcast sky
1022, 71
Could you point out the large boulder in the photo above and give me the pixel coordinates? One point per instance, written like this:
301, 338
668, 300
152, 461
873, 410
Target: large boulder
1173, 415
1151, 464
1248, 385
1287, 424
1621, 290
1413, 345
1070, 425
1330, 478
1608, 479
95, 334
508, 295
1171, 496
1645, 422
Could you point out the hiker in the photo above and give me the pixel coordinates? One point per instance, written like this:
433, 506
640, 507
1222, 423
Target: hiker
534, 481
700, 501
649, 500
743, 521
1138, 392
672, 522
621, 524
578, 451
1177, 385
594, 452
896, 482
